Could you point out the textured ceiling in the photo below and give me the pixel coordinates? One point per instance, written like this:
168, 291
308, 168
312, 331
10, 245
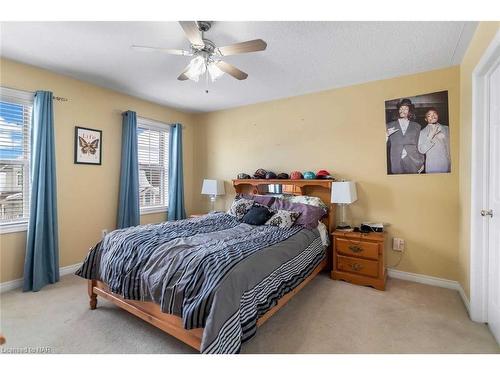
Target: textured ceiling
301, 57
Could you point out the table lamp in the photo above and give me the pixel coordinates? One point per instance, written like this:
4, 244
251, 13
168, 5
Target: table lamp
213, 188
344, 193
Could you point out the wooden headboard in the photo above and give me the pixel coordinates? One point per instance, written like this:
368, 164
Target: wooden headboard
314, 188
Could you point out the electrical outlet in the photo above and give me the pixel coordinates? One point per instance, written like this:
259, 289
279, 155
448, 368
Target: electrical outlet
398, 244
103, 233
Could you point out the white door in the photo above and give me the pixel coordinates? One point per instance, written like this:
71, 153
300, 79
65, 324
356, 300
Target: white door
494, 206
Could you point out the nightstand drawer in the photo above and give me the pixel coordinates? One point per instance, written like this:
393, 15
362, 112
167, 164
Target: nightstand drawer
356, 265
357, 248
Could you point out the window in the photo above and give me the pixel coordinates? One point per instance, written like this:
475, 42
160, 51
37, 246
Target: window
152, 139
15, 131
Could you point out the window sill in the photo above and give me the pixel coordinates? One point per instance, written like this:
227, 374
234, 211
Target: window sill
14, 227
154, 210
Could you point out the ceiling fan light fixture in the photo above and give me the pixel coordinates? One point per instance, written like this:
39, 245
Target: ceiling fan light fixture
214, 71
196, 68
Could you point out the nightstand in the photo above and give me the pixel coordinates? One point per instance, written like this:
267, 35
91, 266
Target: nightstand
358, 258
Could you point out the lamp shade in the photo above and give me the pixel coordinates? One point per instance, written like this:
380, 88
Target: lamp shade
213, 187
344, 192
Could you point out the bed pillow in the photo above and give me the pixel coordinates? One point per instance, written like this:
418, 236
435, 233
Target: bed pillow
309, 215
257, 215
306, 199
239, 207
283, 219
265, 200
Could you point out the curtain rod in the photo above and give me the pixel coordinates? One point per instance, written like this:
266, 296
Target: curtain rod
58, 98
161, 122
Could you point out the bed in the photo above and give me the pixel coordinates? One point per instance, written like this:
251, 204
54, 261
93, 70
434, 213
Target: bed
210, 281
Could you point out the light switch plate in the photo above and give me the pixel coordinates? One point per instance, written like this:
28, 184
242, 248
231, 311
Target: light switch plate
398, 244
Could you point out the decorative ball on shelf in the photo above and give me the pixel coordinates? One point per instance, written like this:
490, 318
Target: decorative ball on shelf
296, 175
324, 175
283, 176
309, 175
270, 175
260, 173
243, 176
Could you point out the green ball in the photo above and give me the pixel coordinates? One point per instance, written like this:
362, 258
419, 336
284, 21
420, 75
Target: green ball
309, 175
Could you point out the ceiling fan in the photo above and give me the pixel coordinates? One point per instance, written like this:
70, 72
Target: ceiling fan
207, 57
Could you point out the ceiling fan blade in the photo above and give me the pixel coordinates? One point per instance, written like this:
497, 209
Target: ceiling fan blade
231, 70
243, 47
192, 32
170, 51
179, 52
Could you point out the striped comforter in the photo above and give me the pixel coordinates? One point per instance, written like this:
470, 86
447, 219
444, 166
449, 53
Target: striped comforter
213, 271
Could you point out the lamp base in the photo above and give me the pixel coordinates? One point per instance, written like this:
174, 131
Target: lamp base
343, 226
212, 203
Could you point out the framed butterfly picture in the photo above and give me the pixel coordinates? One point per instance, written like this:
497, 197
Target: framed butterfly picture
88, 146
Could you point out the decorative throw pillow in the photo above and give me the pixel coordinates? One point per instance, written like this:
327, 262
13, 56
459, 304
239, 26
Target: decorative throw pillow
283, 219
240, 207
309, 214
257, 215
306, 199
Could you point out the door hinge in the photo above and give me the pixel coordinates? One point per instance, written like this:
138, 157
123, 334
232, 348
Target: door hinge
487, 212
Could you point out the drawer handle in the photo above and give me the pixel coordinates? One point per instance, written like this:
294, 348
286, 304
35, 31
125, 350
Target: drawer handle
356, 266
355, 249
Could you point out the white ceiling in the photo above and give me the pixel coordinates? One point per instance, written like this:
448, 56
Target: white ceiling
301, 57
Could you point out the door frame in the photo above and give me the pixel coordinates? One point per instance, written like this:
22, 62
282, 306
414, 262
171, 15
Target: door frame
480, 181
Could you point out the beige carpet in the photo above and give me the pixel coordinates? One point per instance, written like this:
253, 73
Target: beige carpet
325, 317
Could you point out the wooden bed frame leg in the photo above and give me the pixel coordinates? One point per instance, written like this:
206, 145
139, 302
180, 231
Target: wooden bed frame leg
92, 295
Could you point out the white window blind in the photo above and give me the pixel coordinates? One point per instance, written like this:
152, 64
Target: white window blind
15, 131
152, 139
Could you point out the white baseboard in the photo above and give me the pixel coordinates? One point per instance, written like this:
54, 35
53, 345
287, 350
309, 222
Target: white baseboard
430, 280
69, 269
10, 285
18, 283
464, 298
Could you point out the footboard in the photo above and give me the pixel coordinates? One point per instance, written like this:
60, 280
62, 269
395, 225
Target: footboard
172, 324
149, 312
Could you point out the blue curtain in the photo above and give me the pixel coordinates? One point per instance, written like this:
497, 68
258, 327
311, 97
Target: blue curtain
41, 265
128, 203
176, 209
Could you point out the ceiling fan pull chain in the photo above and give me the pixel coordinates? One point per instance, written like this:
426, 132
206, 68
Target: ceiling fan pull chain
206, 80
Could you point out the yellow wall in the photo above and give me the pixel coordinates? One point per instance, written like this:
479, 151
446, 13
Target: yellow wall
87, 194
482, 38
343, 131
340, 130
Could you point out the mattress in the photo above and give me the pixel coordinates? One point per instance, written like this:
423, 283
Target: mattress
213, 271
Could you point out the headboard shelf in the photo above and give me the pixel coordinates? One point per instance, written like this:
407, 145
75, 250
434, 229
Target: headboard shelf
256, 182
315, 188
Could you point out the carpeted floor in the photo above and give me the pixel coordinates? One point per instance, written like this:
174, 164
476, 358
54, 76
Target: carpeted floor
325, 317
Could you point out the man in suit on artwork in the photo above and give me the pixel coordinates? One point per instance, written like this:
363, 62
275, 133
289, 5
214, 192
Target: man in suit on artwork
434, 143
402, 142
